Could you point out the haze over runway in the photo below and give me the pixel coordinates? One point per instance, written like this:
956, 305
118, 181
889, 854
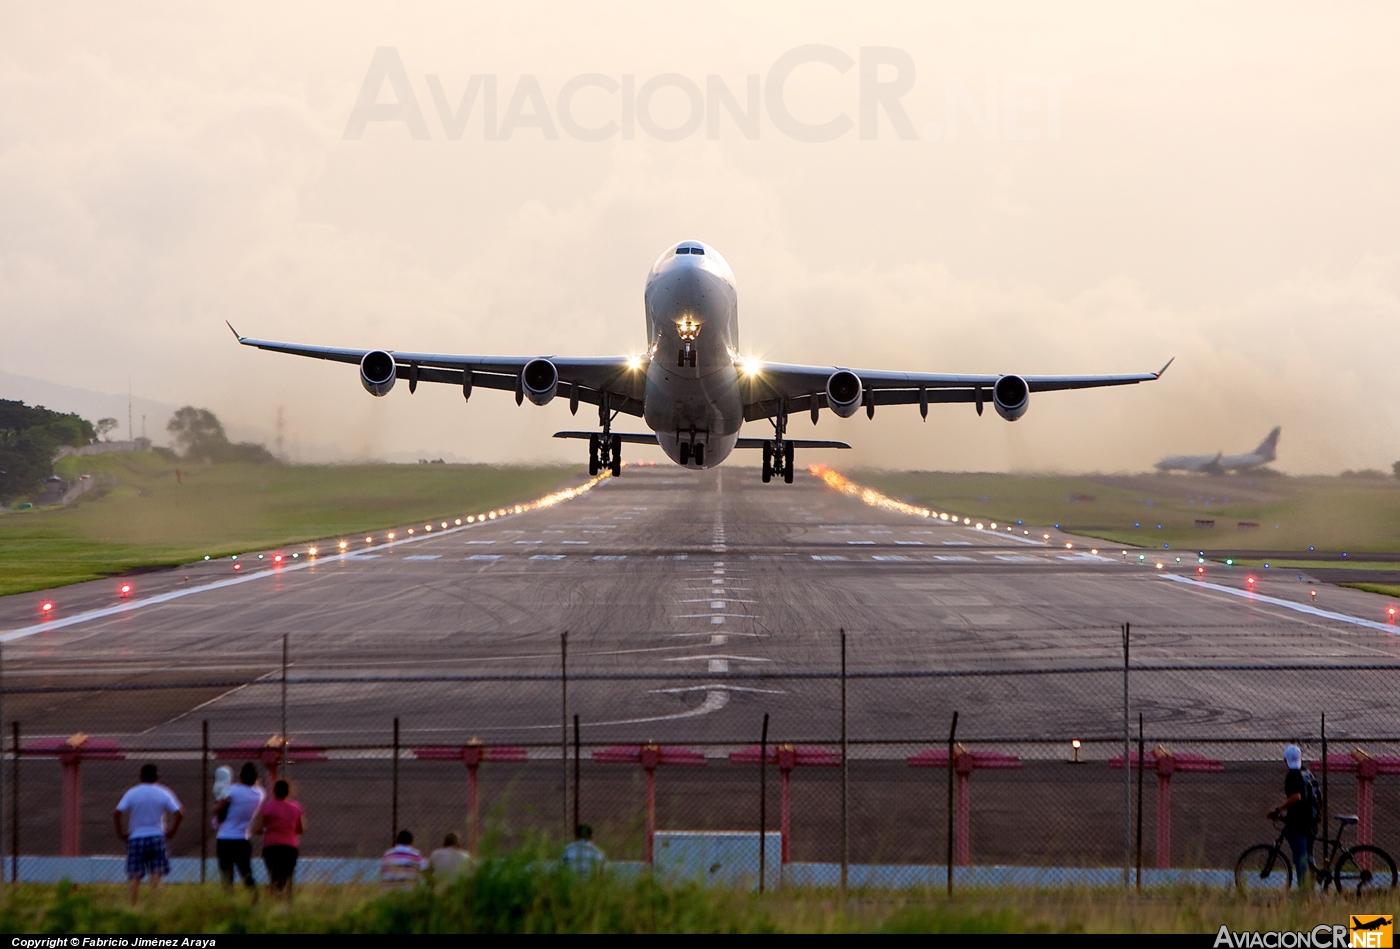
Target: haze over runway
714, 575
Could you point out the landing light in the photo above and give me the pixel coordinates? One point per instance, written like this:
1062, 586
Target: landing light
750, 366
634, 362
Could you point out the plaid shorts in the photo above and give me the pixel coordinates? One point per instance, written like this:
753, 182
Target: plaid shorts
146, 855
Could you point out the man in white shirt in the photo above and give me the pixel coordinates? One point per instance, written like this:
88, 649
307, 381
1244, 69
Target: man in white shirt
237, 808
145, 806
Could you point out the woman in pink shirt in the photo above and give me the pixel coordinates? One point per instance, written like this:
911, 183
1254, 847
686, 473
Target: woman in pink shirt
281, 822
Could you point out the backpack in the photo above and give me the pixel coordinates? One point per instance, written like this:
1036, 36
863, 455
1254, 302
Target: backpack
1312, 797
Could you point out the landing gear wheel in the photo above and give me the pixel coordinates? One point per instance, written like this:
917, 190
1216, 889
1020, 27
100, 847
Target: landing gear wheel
593, 465
767, 462
699, 456
685, 453
617, 456
787, 463
693, 354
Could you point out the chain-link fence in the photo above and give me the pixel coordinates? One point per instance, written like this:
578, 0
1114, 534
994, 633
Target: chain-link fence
857, 784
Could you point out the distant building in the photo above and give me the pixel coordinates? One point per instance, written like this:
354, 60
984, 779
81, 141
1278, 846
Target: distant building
101, 448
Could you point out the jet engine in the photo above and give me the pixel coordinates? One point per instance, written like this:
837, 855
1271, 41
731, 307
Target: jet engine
540, 380
843, 392
377, 372
1011, 397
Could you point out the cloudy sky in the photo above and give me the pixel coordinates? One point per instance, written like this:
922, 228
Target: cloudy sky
999, 187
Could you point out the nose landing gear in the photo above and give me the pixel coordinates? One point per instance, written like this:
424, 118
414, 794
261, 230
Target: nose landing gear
691, 449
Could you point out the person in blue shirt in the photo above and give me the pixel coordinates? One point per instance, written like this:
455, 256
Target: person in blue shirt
583, 855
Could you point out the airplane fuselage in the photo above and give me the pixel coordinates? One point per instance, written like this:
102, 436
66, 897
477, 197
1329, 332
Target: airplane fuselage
692, 385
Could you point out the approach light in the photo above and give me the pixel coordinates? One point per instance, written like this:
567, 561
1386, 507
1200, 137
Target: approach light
1075, 744
492, 515
124, 589
518, 509
47, 607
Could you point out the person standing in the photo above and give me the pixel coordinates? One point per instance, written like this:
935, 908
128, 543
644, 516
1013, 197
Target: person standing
448, 860
281, 822
583, 855
402, 865
145, 807
1299, 810
239, 806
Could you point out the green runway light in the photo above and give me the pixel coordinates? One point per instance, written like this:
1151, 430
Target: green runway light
1229, 562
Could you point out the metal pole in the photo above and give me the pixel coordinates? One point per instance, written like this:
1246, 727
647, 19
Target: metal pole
1325, 815
2, 755
14, 808
763, 803
952, 737
204, 802
578, 749
1141, 765
845, 780
282, 767
394, 811
564, 724
1127, 772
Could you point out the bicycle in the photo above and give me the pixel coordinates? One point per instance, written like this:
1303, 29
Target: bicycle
1359, 869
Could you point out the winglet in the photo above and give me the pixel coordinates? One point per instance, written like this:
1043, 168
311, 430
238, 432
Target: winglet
1158, 374
233, 331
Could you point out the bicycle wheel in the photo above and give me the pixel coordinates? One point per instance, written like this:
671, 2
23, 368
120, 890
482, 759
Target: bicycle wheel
1263, 868
1364, 869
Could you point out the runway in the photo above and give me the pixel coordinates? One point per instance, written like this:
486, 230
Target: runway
703, 579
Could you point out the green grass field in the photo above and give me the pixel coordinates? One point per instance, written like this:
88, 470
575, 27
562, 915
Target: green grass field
516, 896
1331, 514
152, 512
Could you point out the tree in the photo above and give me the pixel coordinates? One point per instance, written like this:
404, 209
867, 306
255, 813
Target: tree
200, 435
1395, 469
105, 425
30, 436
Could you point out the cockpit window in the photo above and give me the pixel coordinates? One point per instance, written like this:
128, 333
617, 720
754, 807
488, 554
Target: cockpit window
682, 250
697, 250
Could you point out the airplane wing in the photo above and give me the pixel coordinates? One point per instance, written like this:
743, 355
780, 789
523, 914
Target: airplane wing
803, 388
647, 438
587, 379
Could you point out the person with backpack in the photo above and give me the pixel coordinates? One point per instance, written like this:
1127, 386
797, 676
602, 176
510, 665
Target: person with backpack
1300, 811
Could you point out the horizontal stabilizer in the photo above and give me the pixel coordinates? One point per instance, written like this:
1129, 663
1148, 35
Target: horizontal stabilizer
631, 438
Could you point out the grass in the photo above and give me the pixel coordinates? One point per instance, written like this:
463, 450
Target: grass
1384, 589
151, 512
524, 895
1330, 514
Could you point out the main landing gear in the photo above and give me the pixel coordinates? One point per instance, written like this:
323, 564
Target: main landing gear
605, 450
691, 450
777, 454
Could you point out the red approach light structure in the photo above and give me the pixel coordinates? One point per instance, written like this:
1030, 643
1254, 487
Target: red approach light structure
650, 756
965, 761
71, 752
787, 757
1366, 767
269, 753
472, 754
1166, 765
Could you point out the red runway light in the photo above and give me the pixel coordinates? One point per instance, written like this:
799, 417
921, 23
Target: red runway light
1250, 581
238, 566
277, 559
47, 607
1200, 569
125, 589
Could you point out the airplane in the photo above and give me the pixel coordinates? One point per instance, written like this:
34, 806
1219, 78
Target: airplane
1219, 463
692, 387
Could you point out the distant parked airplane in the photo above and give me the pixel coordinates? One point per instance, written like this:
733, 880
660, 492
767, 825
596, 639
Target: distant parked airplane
1220, 463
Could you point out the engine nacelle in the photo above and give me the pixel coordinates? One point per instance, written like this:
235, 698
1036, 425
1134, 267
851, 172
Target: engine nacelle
1011, 397
377, 372
540, 380
843, 392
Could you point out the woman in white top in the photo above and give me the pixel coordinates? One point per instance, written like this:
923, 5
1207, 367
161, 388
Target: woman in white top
236, 811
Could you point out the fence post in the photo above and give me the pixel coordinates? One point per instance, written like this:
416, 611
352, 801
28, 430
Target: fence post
1127, 772
2, 755
763, 803
14, 808
282, 765
564, 725
845, 779
394, 807
1139, 802
204, 801
578, 747
1324, 781
952, 737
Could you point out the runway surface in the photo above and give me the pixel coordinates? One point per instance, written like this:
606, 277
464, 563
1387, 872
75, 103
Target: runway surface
717, 576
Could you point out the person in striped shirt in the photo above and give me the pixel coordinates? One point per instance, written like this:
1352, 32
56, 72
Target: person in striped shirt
402, 865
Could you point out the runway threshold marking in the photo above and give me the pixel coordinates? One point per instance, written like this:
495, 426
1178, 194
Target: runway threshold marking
1286, 604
